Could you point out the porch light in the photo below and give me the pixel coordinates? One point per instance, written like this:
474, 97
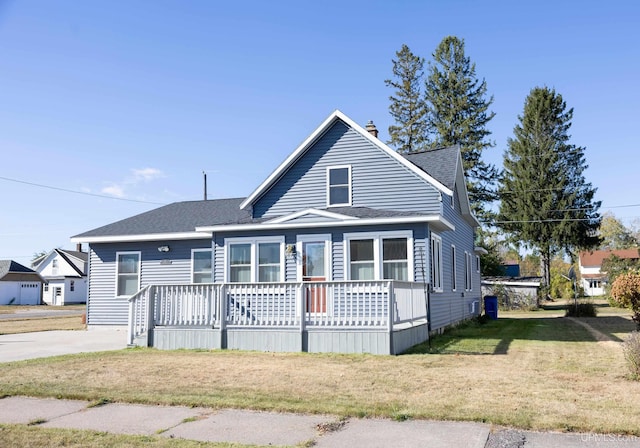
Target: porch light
163, 249
291, 249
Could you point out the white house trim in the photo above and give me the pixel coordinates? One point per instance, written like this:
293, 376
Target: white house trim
143, 237
337, 115
438, 222
309, 211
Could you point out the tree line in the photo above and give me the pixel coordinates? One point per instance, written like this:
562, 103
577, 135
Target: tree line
544, 201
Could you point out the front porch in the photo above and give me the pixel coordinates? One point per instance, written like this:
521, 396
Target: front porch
380, 317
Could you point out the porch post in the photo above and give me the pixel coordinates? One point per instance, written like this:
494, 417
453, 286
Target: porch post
130, 336
300, 298
222, 307
391, 300
151, 306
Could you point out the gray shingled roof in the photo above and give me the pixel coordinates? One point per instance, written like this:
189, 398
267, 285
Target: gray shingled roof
177, 217
441, 164
366, 212
7, 266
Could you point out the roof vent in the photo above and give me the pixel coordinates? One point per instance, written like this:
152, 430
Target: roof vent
371, 129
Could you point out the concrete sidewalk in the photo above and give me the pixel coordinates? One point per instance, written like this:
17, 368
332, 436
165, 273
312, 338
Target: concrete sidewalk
280, 429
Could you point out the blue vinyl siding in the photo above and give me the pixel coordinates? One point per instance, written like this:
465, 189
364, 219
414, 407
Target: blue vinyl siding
449, 307
173, 267
378, 181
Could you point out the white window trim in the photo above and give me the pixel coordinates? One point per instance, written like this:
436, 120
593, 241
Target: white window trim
333, 167
193, 251
454, 269
254, 254
129, 252
310, 238
477, 264
377, 251
436, 287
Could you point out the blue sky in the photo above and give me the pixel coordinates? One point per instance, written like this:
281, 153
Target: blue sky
135, 99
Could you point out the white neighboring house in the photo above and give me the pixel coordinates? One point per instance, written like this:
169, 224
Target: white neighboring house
593, 280
19, 285
65, 274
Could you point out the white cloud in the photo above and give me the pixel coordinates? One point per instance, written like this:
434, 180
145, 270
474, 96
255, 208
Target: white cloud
136, 178
146, 174
114, 190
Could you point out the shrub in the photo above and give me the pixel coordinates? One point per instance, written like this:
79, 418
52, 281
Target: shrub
582, 309
625, 291
631, 349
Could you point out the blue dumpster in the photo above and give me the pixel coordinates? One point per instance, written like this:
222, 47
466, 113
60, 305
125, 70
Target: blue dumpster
491, 306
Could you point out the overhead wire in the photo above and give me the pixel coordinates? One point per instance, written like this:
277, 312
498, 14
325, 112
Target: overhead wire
50, 187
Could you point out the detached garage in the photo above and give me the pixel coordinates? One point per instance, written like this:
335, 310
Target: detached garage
19, 285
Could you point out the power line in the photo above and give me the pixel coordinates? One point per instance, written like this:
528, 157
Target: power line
78, 192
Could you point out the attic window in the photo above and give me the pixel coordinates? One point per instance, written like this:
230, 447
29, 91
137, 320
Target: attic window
339, 185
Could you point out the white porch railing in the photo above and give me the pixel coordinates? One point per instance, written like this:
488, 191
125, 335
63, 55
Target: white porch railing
340, 304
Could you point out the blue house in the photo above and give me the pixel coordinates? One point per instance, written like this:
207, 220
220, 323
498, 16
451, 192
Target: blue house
348, 246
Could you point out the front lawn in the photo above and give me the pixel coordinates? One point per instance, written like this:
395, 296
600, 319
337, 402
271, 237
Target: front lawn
535, 371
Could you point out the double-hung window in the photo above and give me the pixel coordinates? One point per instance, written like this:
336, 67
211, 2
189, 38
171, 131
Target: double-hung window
394, 259
436, 263
339, 185
454, 273
467, 271
377, 256
127, 273
201, 266
255, 259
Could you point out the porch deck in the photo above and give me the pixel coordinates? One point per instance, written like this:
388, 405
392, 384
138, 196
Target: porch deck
382, 317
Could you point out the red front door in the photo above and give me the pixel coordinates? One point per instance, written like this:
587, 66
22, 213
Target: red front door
313, 270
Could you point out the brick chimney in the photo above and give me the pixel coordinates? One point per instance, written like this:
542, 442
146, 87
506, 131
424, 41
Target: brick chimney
371, 129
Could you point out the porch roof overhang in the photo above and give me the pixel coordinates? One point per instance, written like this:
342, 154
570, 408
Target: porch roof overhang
436, 221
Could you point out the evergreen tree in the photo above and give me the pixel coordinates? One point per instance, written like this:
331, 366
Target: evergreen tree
546, 202
407, 107
458, 112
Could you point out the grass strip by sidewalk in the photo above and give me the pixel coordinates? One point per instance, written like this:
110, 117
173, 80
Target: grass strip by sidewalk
35, 437
29, 325
541, 373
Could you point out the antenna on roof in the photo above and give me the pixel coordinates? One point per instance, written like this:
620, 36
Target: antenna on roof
205, 184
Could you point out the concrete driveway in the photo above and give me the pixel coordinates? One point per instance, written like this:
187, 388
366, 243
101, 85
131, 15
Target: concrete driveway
16, 347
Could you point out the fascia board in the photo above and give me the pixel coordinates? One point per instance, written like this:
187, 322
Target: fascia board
142, 237
441, 222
